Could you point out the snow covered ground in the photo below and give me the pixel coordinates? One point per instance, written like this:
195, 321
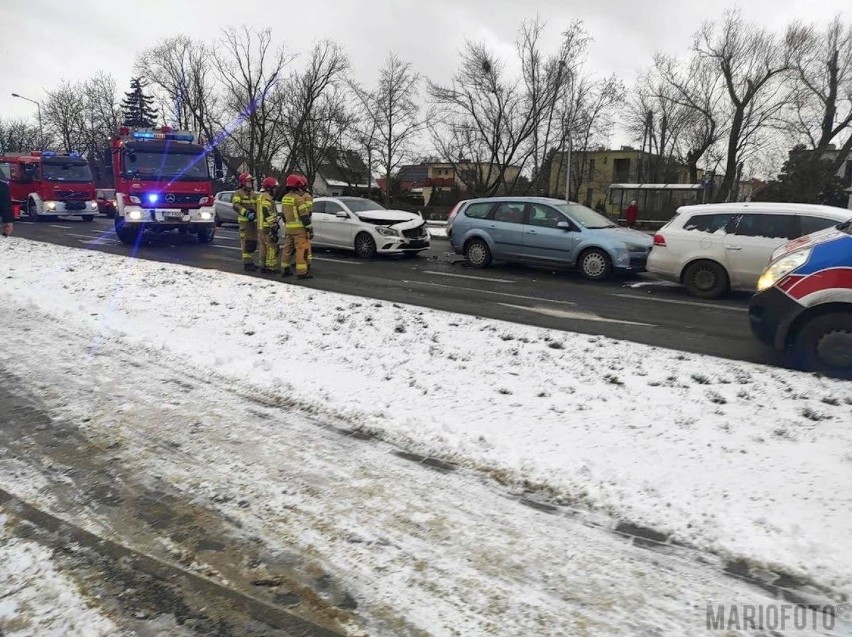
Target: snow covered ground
746, 461
36, 598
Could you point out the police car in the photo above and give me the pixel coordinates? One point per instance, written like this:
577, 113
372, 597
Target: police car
804, 303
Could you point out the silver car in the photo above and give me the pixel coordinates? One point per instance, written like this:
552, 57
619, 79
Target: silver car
223, 208
544, 231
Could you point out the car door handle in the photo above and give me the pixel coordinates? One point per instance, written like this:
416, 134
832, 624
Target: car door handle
531, 232
733, 247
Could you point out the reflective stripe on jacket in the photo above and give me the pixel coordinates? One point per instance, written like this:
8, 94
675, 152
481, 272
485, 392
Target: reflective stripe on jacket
267, 215
244, 201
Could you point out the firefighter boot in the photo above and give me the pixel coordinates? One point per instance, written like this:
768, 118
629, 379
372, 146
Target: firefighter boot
288, 271
249, 267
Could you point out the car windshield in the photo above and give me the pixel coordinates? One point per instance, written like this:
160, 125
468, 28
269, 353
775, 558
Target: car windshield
362, 205
174, 166
586, 217
60, 171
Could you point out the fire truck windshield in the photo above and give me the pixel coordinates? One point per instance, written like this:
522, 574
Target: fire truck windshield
177, 166
65, 171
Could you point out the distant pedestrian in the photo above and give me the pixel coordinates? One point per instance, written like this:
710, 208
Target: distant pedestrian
631, 215
7, 215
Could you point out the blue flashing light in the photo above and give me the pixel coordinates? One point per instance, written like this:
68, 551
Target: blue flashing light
74, 154
144, 135
153, 197
48, 153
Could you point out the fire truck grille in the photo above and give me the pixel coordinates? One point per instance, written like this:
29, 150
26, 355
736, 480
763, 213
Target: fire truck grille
170, 200
73, 195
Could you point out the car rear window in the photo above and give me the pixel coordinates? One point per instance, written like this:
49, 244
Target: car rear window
478, 210
707, 223
815, 224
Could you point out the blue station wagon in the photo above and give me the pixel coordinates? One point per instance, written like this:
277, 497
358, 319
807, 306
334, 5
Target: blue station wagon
549, 232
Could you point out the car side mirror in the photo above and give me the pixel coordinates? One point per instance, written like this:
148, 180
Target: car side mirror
564, 225
341, 214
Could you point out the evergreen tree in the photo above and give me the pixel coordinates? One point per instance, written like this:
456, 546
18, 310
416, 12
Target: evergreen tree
138, 109
805, 180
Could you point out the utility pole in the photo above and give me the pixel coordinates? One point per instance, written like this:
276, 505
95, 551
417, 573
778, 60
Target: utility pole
562, 67
40, 129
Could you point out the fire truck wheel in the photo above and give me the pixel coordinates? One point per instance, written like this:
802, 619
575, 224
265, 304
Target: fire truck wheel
824, 344
32, 211
127, 233
88, 218
205, 235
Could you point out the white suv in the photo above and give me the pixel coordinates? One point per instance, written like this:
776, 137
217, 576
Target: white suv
714, 248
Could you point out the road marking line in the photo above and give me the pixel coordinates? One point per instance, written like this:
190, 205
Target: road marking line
506, 294
467, 276
716, 306
579, 316
216, 245
338, 261
96, 237
53, 225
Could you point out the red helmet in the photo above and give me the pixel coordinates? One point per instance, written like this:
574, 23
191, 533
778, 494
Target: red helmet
245, 178
269, 183
295, 181
304, 181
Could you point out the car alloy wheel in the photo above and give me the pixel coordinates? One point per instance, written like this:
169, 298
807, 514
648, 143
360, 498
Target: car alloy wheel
365, 247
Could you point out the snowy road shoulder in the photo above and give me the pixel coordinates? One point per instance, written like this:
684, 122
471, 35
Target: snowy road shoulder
747, 461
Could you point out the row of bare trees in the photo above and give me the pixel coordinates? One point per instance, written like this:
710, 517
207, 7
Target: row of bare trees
743, 90
740, 91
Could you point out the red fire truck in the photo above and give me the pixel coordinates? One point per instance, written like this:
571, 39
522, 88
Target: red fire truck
162, 183
45, 184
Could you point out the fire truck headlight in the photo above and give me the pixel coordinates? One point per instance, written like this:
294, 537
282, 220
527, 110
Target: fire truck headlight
777, 270
135, 215
94, 205
205, 215
134, 200
50, 205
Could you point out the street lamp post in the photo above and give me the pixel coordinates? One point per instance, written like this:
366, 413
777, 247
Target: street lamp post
40, 129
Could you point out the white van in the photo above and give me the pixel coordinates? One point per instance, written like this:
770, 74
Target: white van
715, 248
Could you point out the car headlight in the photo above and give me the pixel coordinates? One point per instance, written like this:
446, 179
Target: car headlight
51, 205
777, 270
387, 232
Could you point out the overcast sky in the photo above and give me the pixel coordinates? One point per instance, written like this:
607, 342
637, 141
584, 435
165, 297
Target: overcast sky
43, 41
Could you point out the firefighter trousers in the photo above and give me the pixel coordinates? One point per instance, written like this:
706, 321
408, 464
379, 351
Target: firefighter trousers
297, 244
248, 239
269, 249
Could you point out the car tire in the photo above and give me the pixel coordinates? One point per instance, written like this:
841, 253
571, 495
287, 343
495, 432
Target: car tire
824, 344
205, 234
365, 246
88, 218
128, 234
706, 280
595, 265
477, 253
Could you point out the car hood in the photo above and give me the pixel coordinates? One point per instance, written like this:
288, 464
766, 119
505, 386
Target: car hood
633, 238
394, 218
808, 241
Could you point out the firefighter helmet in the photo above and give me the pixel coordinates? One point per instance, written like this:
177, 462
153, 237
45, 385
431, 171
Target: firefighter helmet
269, 183
294, 181
245, 178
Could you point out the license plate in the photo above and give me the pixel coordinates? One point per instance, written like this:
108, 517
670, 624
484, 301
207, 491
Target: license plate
173, 214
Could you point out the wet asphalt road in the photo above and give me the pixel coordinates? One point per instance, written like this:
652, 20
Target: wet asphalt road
638, 309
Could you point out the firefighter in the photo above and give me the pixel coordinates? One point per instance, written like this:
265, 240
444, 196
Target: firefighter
245, 205
267, 220
308, 207
296, 207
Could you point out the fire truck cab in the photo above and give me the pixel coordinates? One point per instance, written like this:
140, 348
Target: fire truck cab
44, 184
162, 183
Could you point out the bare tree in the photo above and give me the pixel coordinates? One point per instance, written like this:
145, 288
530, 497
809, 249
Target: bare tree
364, 131
252, 73
395, 115
18, 136
821, 108
699, 88
751, 62
314, 109
64, 115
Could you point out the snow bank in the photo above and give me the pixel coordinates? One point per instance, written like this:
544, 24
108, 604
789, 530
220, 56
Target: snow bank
742, 459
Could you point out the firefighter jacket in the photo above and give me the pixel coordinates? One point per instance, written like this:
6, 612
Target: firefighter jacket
296, 208
267, 215
245, 204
